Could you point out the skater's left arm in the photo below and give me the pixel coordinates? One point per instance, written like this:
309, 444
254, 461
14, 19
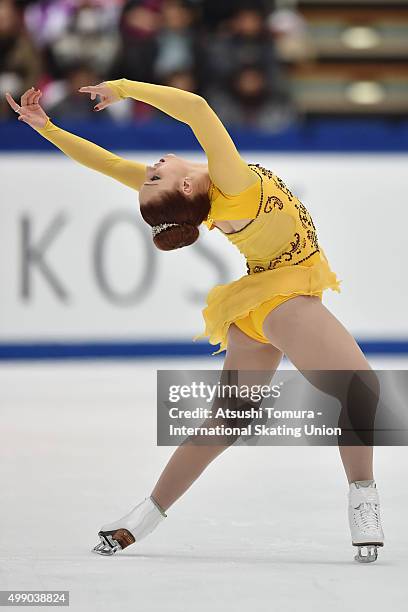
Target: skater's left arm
129, 173
83, 151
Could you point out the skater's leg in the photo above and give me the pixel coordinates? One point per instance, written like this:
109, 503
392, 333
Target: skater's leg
313, 339
190, 460
246, 360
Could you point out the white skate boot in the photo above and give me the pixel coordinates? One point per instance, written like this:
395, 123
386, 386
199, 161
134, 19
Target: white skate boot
132, 527
365, 520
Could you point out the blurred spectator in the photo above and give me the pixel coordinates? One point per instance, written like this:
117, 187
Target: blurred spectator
249, 101
139, 26
20, 65
47, 20
76, 31
244, 41
176, 39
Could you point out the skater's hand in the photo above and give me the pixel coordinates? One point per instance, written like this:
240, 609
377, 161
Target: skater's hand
105, 93
29, 110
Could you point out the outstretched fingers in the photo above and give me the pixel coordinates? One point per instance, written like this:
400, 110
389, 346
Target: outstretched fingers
16, 108
31, 96
36, 97
26, 95
91, 89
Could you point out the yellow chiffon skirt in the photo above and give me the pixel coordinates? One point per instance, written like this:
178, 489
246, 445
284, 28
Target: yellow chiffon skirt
247, 301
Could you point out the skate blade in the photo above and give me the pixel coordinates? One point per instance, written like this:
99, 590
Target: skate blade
103, 549
113, 541
107, 546
371, 553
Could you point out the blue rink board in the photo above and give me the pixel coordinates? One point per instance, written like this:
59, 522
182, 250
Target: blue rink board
342, 135
131, 350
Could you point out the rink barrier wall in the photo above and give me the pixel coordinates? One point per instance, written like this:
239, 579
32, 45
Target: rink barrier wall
343, 135
144, 350
370, 136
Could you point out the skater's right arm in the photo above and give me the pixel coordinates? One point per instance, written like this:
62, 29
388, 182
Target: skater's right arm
227, 169
87, 153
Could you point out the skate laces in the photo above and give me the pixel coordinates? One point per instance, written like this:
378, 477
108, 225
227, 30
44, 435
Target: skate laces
366, 512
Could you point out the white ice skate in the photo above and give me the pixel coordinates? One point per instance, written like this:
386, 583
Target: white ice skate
132, 527
365, 520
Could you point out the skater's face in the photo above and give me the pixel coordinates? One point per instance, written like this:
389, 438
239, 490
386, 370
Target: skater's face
168, 174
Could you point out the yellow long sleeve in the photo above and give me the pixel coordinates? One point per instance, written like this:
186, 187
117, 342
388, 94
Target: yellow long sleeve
89, 154
227, 170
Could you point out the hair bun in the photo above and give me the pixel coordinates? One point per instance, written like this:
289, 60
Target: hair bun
176, 236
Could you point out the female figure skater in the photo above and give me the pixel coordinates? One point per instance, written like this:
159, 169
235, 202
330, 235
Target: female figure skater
275, 309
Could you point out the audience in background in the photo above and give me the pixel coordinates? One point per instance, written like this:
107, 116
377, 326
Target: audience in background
244, 40
223, 49
176, 39
139, 26
20, 64
249, 99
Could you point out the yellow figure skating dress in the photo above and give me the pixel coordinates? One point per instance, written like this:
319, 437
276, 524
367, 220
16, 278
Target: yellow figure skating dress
280, 244
283, 257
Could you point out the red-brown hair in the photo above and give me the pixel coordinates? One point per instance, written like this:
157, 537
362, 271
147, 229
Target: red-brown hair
175, 207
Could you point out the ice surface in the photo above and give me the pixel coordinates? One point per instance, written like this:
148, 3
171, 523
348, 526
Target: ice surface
263, 528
